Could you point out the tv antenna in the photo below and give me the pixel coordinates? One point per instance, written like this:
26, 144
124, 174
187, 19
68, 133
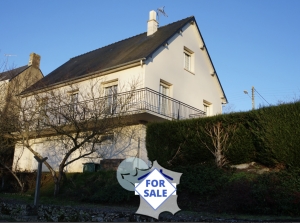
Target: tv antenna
161, 11
10, 55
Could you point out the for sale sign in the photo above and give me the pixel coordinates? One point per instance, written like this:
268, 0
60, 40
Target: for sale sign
155, 189
156, 186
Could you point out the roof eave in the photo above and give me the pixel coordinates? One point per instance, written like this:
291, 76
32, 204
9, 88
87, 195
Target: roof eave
166, 40
225, 101
90, 75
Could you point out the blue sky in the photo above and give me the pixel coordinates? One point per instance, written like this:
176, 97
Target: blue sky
251, 42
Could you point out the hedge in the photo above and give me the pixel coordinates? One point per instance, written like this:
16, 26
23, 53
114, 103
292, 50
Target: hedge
269, 135
277, 133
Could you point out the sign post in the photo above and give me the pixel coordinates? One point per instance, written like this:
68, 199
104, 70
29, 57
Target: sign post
38, 180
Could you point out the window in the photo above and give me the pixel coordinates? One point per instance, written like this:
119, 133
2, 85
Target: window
43, 106
207, 107
111, 93
164, 102
188, 59
106, 145
108, 138
73, 102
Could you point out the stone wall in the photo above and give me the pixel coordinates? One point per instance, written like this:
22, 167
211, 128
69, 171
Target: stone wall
52, 213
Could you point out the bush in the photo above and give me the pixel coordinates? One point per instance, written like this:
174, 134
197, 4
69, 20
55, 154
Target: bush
203, 180
98, 187
206, 187
277, 131
163, 140
269, 135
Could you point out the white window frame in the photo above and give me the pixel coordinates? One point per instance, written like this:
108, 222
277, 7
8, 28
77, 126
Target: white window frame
42, 108
111, 97
74, 101
188, 59
164, 106
107, 145
207, 108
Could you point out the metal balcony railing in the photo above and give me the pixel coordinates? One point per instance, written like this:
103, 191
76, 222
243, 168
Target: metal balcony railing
148, 100
130, 102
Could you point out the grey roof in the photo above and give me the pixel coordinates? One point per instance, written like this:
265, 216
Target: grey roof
122, 52
10, 74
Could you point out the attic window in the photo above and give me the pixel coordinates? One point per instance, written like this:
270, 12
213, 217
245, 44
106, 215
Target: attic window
188, 59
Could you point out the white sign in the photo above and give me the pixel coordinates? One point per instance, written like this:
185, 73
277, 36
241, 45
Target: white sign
155, 189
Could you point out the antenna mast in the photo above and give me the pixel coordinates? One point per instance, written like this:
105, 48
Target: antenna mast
159, 11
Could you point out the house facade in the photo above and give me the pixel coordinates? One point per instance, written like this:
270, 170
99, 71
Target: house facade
14, 81
163, 74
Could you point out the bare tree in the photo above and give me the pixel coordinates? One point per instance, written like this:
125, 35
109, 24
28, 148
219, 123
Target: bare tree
178, 151
8, 117
220, 136
79, 124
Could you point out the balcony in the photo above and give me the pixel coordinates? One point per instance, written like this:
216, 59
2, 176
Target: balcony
140, 105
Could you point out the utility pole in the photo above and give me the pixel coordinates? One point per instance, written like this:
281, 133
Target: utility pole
253, 101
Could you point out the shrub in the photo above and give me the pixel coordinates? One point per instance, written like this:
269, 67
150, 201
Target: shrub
203, 180
163, 140
277, 131
98, 187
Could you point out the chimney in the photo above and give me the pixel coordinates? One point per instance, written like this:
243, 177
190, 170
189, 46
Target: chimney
34, 60
152, 23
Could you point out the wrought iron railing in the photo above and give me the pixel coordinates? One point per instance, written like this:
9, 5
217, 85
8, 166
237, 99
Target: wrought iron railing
130, 102
146, 99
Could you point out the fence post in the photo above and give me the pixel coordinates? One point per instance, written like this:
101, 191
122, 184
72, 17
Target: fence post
178, 112
38, 180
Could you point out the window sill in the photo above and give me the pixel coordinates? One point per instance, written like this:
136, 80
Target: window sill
189, 71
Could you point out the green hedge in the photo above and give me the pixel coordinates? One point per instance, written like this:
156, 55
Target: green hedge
96, 187
277, 133
268, 135
164, 139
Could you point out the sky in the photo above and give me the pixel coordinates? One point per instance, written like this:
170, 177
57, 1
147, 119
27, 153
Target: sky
251, 42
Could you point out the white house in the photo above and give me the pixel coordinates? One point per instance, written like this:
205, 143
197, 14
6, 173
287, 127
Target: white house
172, 76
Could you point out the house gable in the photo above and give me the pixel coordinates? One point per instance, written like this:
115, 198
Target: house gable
193, 85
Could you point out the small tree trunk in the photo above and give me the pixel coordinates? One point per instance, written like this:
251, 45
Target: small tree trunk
56, 186
16, 177
58, 179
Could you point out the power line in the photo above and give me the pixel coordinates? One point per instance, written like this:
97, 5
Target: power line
261, 96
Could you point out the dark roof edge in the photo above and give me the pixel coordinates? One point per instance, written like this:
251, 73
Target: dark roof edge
211, 62
90, 75
191, 18
19, 72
